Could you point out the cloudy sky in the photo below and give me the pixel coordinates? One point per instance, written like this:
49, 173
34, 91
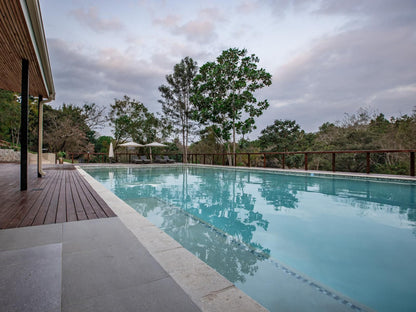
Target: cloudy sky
327, 57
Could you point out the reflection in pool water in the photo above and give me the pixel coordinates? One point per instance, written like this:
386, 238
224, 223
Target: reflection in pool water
355, 236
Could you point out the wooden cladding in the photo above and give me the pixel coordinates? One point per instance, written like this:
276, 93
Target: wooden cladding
16, 44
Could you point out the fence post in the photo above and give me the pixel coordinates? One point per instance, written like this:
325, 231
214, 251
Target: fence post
368, 162
72, 157
235, 159
248, 156
283, 161
264, 161
223, 159
306, 161
204, 159
412, 164
333, 162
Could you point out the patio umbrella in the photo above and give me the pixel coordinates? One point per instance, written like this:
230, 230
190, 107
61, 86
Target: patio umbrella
111, 151
154, 144
131, 144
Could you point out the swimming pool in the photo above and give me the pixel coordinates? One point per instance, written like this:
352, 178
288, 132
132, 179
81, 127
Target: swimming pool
355, 236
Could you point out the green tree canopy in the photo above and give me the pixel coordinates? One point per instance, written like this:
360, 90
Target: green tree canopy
282, 136
132, 120
176, 104
224, 93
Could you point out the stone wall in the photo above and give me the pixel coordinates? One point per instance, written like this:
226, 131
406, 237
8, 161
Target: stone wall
9, 155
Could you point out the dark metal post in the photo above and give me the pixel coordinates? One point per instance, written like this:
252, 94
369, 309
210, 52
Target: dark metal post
235, 159
306, 161
368, 163
283, 161
264, 161
223, 159
333, 162
24, 120
72, 157
204, 159
40, 134
248, 159
412, 164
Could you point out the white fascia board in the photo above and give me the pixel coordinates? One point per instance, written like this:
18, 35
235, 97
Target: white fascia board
31, 11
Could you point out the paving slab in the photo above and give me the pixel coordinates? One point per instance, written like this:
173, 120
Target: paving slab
30, 279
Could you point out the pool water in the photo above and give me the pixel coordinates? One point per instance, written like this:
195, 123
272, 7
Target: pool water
355, 236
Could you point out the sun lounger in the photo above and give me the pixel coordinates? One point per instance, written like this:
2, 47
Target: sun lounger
160, 160
169, 160
145, 160
136, 160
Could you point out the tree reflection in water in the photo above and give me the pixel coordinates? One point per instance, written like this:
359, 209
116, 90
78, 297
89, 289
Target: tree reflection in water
335, 230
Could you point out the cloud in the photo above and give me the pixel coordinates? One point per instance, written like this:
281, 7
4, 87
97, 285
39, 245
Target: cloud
92, 19
370, 66
102, 76
202, 29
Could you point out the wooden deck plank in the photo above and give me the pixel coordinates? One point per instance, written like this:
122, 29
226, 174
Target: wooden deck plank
71, 214
79, 209
61, 208
43, 190
62, 195
47, 204
89, 211
53, 205
20, 205
97, 202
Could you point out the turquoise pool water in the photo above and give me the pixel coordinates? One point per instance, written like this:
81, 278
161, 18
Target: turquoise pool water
355, 236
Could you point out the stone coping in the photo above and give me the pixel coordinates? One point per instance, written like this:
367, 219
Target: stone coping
207, 288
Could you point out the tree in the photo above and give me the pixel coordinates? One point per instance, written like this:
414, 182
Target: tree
224, 93
9, 117
176, 104
131, 119
282, 136
65, 129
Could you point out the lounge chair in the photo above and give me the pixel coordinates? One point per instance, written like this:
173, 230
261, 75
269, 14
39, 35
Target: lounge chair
145, 160
169, 160
136, 160
160, 160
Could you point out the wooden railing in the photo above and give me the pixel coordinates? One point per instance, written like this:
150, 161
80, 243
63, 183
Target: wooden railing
222, 158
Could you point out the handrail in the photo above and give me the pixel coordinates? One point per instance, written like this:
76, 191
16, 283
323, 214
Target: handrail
193, 157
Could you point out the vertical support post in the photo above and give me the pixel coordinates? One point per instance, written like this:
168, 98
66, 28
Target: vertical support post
204, 159
248, 159
283, 161
24, 120
88, 157
412, 164
306, 161
368, 162
40, 136
235, 159
264, 160
223, 159
72, 157
333, 162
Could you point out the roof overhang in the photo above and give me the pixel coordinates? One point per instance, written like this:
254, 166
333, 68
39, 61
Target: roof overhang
22, 37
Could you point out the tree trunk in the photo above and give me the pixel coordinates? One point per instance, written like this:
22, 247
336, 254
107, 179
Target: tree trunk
184, 155
233, 138
229, 157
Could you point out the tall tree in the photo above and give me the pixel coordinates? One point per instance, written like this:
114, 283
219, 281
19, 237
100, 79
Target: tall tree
224, 93
176, 104
131, 119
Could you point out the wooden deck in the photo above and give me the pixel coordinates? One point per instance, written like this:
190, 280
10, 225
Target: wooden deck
62, 195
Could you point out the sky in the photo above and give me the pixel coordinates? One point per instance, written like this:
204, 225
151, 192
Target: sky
327, 58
